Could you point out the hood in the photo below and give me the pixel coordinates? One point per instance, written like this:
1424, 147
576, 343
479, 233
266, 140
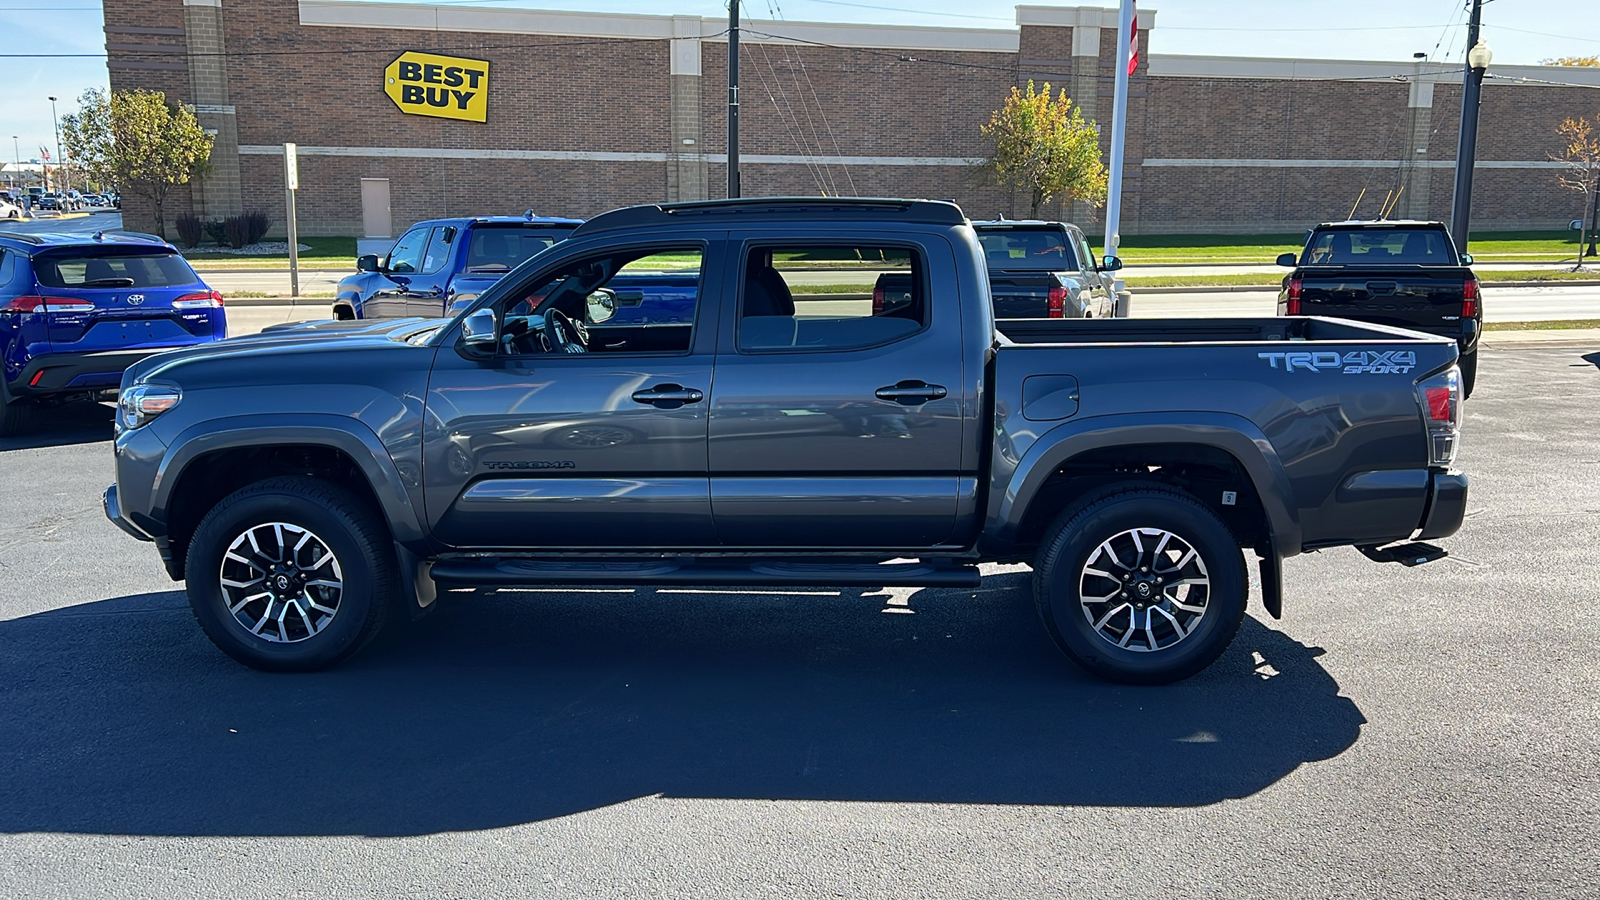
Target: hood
270, 352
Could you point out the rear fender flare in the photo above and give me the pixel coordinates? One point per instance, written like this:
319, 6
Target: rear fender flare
351, 436
1234, 434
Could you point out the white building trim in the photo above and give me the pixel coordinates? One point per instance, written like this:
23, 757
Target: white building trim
1080, 16
1344, 164
602, 156
1177, 66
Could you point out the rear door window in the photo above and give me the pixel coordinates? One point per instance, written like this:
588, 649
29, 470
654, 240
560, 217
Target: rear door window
830, 297
92, 270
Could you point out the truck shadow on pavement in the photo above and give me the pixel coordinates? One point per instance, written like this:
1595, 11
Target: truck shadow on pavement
80, 422
517, 707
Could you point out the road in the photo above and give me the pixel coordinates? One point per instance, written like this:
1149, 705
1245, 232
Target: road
1424, 732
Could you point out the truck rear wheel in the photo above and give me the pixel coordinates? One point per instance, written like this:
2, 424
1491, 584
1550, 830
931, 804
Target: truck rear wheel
1144, 586
290, 574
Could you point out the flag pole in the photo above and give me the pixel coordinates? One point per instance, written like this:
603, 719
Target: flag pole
1119, 125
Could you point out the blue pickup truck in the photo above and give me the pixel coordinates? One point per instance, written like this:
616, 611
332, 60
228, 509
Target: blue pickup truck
443, 261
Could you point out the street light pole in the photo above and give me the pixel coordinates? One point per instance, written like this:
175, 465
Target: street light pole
733, 98
1478, 57
60, 162
1594, 218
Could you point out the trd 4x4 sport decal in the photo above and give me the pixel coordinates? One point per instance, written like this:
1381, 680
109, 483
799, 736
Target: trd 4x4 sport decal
1358, 362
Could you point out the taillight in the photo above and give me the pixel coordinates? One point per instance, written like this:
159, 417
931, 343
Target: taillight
199, 300
877, 301
1469, 299
1440, 396
1057, 304
1291, 300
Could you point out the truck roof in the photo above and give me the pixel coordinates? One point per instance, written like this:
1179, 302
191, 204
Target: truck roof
1379, 223
527, 219
785, 209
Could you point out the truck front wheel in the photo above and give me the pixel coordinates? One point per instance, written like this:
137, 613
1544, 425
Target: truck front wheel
291, 574
1145, 586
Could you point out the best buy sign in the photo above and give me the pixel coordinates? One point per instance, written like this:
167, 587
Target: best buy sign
448, 87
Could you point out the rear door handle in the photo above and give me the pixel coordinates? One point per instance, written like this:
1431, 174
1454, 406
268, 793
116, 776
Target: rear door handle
668, 396
911, 393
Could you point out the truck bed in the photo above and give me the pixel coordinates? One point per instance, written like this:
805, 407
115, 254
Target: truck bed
1192, 331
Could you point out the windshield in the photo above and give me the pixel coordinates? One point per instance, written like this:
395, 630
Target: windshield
501, 249
1380, 247
1042, 249
88, 270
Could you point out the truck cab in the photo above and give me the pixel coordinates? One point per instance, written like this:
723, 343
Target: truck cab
440, 262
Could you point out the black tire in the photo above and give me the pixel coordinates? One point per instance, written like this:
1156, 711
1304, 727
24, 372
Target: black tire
1469, 372
1062, 569
336, 519
16, 415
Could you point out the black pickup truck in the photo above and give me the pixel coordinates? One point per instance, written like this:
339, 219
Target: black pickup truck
310, 481
1400, 273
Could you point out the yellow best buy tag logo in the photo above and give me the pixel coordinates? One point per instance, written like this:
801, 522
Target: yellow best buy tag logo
448, 87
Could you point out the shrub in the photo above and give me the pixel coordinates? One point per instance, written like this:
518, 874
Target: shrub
256, 223
189, 231
236, 231
215, 232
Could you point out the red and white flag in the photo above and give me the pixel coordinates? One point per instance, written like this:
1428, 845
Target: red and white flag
1133, 45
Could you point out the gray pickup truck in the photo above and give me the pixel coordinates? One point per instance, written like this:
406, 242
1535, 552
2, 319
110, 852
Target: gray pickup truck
309, 482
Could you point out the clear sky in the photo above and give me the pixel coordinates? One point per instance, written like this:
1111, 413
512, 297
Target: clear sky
1521, 32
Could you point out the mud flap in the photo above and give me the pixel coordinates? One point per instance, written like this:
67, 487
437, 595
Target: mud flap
1272, 582
417, 590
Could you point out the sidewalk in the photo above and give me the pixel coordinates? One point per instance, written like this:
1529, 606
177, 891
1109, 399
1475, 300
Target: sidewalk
1551, 339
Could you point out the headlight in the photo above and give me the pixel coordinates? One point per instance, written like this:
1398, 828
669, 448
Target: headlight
137, 405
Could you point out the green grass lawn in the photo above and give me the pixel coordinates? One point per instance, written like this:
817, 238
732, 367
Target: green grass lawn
1541, 326
325, 253
1273, 279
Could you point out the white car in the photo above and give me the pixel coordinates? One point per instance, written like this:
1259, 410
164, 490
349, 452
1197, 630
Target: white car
9, 210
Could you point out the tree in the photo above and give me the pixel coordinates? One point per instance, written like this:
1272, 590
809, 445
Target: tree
1044, 146
137, 141
1574, 61
1581, 155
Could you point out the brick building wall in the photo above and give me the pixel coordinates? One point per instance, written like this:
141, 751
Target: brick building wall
587, 112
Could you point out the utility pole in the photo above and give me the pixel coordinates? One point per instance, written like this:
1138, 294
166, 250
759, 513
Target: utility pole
63, 177
1478, 57
733, 98
1119, 126
1594, 219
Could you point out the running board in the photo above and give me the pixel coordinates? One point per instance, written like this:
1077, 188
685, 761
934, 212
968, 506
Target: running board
1413, 554
477, 572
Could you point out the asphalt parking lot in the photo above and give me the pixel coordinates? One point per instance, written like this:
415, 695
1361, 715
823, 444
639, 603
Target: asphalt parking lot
1402, 732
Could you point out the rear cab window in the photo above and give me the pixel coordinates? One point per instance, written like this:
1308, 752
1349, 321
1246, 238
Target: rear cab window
1009, 247
500, 248
93, 268
1389, 246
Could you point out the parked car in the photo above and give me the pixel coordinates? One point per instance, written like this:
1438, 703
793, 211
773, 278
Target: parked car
9, 209
75, 311
50, 200
440, 261
1045, 270
73, 201
313, 480
1400, 273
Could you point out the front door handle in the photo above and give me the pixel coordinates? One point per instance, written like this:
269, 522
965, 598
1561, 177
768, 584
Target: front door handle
911, 393
668, 396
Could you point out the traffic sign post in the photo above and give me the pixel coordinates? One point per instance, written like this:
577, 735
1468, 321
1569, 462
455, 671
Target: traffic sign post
291, 182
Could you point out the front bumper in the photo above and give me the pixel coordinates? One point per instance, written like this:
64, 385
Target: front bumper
108, 502
1447, 504
77, 373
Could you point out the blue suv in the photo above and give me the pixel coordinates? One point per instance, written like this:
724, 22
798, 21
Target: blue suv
75, 311
442, 262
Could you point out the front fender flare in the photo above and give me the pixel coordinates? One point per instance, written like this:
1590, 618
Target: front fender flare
1234, 434
351, 436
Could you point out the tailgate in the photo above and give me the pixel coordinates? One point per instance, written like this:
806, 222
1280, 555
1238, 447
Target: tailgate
1429, 299
1020, 295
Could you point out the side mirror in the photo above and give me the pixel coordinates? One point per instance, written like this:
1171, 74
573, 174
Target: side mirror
478, 329
1287, 260
1466, 259
367, 263
1111, 264
602, 305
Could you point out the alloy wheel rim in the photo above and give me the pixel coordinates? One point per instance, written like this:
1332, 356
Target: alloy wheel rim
281, 582
1144, 589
